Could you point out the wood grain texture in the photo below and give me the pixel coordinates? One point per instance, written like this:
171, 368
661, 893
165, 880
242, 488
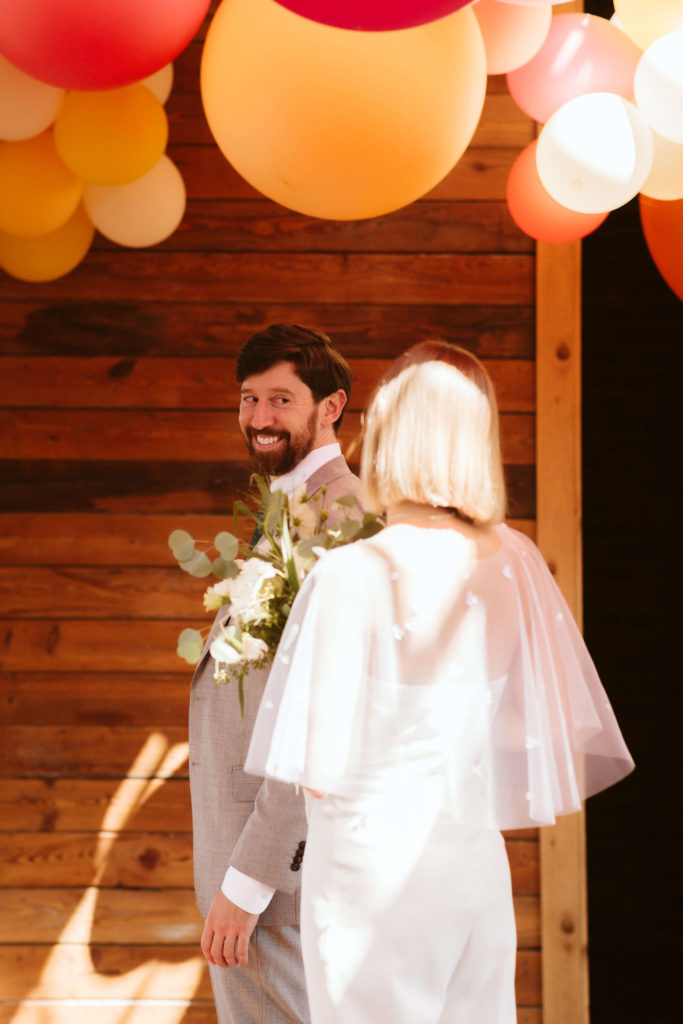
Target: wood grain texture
209, 383
199, 327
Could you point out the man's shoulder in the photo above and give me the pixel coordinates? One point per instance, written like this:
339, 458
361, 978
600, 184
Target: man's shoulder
337, 479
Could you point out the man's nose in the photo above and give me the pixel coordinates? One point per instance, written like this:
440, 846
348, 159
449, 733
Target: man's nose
262, 415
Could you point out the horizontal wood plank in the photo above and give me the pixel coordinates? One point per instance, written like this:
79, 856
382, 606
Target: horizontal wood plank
106, 382
88, 805
80, 539
134, 275
101, 592
258, 225
99, 698
161, 972
150, 860
90, 327
133, 1011
141, 917
112, 752
115, 435
160, 486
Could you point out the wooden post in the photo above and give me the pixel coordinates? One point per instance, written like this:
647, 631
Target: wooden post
564, 924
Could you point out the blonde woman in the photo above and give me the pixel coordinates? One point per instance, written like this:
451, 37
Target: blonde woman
431, 688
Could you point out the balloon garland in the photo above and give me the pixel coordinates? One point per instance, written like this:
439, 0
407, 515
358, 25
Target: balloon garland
339, 109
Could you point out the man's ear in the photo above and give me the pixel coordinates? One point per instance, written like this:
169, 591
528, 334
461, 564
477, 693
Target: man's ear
332, 406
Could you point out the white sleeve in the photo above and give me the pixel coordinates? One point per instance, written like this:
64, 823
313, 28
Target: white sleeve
245, 892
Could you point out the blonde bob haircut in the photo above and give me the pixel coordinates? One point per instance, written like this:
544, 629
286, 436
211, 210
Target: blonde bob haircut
431, 436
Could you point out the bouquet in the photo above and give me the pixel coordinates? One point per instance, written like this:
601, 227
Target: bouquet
260, 583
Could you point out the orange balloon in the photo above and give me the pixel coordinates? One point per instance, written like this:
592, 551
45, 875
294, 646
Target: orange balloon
111, 137
536, 212
38, 193
335, 123
51, 256
662, 222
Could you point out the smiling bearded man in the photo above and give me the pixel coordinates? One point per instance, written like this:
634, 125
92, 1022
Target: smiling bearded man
250, 834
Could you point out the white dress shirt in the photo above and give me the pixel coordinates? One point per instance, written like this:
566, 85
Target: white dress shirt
245, 892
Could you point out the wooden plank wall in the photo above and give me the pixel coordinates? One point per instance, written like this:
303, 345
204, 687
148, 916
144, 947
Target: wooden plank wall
118, 409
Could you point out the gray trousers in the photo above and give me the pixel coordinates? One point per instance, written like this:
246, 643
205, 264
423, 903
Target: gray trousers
270, 989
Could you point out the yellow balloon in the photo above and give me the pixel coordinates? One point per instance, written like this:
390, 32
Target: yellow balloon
340, 124
48, 257
38, 193
111, 137
646, 20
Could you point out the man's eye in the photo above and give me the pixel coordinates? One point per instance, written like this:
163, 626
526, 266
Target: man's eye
247, 399
281, 400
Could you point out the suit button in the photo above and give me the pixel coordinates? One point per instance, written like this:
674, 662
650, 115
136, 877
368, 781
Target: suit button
295, 865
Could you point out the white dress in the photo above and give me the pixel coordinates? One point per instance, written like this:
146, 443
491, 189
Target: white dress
435, 698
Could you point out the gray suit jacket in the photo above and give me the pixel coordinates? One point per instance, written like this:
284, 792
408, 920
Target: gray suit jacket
256, 825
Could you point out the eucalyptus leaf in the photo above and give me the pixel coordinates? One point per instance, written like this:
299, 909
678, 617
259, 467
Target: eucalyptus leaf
349, 529
227, 545
198, 565
190, 645
305, 547
224, 569
347, 501
181, 544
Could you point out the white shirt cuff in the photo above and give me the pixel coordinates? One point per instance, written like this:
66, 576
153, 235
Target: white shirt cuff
245, 892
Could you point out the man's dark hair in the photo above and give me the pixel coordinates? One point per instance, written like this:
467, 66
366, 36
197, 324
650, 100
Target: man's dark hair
316, 361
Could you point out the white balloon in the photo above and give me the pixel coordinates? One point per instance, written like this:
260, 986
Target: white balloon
665, 180
142, 212
658, 85
161, 82
27, 106
594, 153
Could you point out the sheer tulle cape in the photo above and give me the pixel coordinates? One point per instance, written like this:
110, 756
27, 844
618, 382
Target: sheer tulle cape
483, 682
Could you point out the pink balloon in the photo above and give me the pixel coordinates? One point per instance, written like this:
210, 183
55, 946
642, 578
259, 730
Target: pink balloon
96, 44
512, 34
374, 15
536, 213
582, 53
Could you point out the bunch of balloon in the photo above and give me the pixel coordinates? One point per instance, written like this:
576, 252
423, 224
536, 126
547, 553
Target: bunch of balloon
609, 97
343, 109
83, 129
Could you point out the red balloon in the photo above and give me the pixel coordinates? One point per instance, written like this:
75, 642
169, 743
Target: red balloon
96, 44
662, 222
374, 15
536, 212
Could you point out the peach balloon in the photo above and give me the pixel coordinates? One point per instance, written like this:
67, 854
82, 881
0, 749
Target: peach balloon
38, 193
582, 53
646, 20
512, 34
665, 180
536, 213
340, 124
161, 82
662, 224
111, 137
141, 213
51, 255
594, 153
27, 106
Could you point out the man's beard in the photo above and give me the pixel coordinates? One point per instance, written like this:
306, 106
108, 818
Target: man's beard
283, 459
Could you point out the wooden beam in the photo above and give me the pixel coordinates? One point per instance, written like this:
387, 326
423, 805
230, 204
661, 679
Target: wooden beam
564, 924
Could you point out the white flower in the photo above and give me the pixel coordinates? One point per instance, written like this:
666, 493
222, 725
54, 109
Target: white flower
244, 590
222, 650
213, 596
253, 648
303, 517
